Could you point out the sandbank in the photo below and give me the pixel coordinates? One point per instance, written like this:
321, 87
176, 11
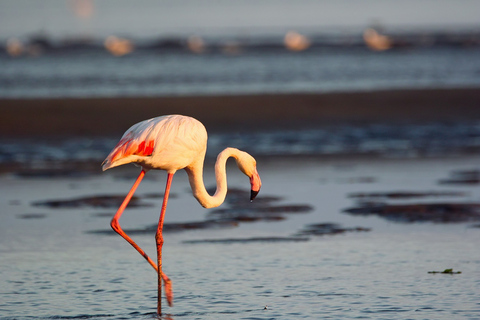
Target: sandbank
112, 116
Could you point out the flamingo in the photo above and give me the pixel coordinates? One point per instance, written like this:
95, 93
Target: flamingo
172, 143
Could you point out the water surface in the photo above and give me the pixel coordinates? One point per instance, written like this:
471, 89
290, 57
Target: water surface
54, 266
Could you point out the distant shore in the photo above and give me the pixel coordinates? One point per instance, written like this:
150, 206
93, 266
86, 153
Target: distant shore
112, 116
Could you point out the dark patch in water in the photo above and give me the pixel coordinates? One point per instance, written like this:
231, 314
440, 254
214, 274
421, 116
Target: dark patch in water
43, 163
106, 201
405, 194
103, 214
174, 227
241, 197
432, 212
130, 175
361, 180
239, 209
51, 173
242, 210
265, 209
242, 214
32, 216
158, 196
238, 197
322, 229
465, 177
304, 235
209, 224
248, 240
82, 316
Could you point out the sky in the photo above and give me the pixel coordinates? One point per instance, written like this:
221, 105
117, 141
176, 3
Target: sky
150, 18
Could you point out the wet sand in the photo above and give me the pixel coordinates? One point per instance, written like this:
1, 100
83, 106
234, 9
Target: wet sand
111, 116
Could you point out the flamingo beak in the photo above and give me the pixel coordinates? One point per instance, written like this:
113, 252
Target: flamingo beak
256, 183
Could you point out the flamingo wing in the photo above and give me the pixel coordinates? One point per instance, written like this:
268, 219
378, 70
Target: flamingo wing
136, 141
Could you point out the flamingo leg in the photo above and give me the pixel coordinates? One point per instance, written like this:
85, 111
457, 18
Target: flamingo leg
116, 225
159, 241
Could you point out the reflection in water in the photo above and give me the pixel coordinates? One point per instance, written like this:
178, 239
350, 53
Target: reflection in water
98, 201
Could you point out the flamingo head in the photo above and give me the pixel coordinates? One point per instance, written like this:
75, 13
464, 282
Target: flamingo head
256, 183
248, 165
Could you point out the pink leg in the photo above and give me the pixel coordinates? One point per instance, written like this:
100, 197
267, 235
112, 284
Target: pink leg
159, 240
116, 225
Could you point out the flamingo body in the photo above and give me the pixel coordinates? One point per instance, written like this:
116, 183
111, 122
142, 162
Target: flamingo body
172, 143
168, 143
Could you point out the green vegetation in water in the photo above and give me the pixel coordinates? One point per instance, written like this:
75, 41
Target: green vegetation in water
446, 271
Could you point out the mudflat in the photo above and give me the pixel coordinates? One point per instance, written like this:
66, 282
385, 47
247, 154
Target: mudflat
111, 116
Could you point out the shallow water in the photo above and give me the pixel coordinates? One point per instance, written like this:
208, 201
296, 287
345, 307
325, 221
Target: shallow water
53, 266
87, 73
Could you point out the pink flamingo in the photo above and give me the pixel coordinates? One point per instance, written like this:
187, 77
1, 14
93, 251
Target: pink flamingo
172, 143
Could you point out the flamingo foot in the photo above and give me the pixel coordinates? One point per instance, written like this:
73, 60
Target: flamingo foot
169, 292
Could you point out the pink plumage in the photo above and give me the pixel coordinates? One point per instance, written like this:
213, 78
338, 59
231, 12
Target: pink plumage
168, 143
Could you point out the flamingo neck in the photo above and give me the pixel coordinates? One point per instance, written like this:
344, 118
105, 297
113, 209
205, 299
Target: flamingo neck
195, 176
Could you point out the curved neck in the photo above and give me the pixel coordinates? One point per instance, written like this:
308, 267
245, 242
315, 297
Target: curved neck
195, 176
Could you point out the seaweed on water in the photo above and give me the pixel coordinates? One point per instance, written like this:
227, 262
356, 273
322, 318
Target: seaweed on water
446, 271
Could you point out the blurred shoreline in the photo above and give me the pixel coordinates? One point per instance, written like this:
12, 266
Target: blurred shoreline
70, 117
234, 42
